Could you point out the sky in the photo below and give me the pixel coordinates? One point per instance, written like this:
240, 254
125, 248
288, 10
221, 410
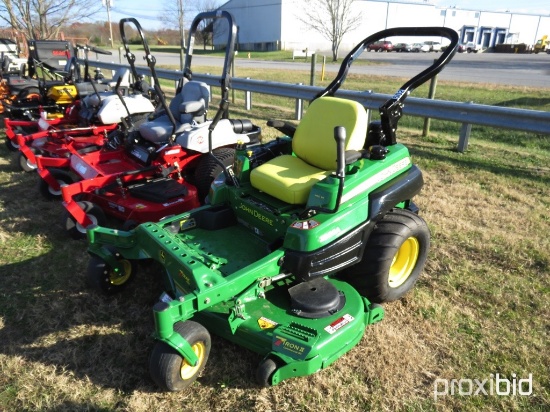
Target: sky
148, 12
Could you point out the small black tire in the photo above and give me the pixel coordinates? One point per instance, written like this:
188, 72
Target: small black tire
208, 169
129, 225
103, 278
11, 145
265, 371
94, 213
62, 177
393, 258
168, 369
25, 164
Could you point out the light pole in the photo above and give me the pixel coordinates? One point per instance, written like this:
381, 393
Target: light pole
182, 33
109, 4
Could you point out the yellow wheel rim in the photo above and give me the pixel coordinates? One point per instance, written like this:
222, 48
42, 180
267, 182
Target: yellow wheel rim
122, 277
404, 262
187, 371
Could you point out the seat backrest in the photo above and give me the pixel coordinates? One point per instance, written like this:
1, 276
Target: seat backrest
123, 72
192, 91
313, 141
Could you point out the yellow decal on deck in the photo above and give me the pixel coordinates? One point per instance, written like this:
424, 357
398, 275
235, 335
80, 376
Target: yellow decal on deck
266, 323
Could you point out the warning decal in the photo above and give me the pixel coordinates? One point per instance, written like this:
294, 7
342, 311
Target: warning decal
339, 323
266, 323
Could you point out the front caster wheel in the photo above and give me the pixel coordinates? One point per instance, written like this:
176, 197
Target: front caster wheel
25, 164
11, 145
51, 193
104, 278
93, 212
168, 369
265, 372
393, 259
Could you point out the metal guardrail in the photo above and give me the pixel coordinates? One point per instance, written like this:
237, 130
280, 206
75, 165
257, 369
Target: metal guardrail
466, 114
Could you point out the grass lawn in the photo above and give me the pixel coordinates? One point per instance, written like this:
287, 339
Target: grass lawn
480, 308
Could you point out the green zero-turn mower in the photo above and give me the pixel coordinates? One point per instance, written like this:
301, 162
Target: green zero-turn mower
304, 236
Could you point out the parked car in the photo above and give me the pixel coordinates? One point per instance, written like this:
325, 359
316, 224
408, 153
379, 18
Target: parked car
433, 45
420, 47
381, 46
402, 47
469, 47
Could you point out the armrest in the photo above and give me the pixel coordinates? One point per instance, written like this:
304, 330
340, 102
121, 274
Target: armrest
352, 156
195, 108
286, 128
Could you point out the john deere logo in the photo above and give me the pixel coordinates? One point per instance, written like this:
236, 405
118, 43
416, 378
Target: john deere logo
256, 214
162, 255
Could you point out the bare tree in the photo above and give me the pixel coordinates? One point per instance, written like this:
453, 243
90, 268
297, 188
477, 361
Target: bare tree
332, 19
175, 14
44, 19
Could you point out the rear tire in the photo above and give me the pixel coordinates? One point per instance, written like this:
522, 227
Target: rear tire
94, 213
393, 259
168, 369
27, 95
208, 169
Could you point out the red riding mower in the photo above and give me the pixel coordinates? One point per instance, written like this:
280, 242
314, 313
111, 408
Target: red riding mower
88, 122
164, 167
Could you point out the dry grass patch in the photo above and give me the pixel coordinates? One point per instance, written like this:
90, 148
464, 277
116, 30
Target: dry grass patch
480, 308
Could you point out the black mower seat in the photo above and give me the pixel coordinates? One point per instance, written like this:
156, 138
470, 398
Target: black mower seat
188, 107
86, 88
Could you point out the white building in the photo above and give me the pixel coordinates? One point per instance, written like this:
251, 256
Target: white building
276, 24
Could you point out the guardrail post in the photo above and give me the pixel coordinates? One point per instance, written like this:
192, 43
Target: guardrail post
431, 95
313, 64
233, 76
465, 131
299, 111
120, 54
209, 91
248, 98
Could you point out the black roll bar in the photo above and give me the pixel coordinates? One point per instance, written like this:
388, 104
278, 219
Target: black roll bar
392, 110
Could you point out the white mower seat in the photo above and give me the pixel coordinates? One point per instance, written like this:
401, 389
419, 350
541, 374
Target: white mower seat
188, 106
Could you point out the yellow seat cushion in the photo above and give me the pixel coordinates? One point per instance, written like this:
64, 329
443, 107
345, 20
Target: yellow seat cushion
313, 141
290, 178
287, 178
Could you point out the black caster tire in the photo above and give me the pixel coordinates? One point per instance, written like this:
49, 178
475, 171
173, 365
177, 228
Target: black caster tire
168, 369
265, 372
103, 278
94, 213
11, 145
48, 192
25, 164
